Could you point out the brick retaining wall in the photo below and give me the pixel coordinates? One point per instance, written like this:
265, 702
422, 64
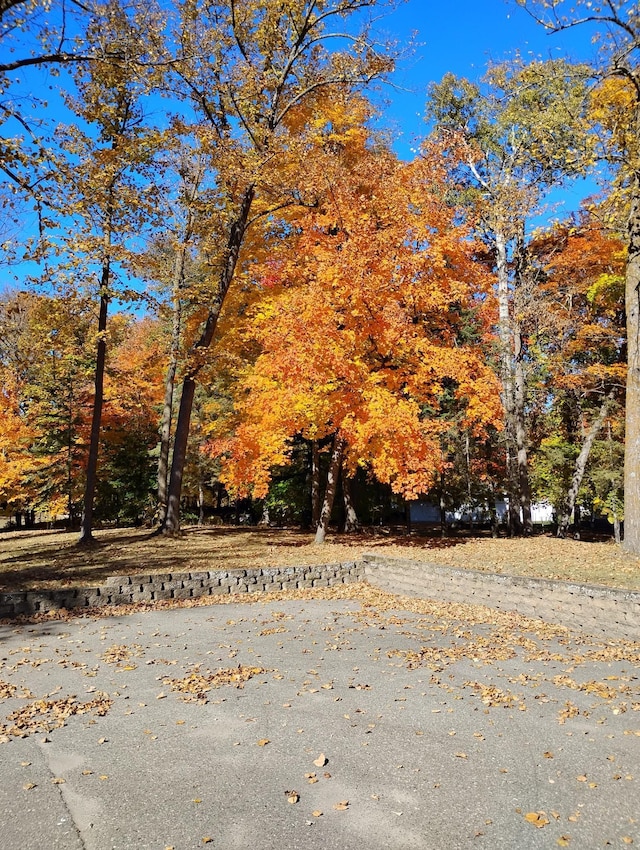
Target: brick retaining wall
119, 590
597, 610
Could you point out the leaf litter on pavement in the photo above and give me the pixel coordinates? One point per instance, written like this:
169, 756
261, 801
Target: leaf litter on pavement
491, 642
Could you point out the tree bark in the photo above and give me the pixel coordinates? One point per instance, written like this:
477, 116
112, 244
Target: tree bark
507, 377
443, 508
524, 488
351, 522
330, 491
86, 528
632, 412
234, 243
520, 389
200, 502
169, 386
316, 504
581, 462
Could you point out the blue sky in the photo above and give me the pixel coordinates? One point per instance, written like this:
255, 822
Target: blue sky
462, 36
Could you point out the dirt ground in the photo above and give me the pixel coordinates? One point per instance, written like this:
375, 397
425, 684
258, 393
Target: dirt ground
45, 559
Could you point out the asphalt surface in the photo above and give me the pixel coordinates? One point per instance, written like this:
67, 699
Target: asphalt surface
436, 735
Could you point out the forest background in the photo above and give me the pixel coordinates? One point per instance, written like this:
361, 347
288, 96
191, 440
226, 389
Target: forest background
226, 277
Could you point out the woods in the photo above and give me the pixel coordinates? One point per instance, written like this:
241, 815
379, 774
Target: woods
240, 300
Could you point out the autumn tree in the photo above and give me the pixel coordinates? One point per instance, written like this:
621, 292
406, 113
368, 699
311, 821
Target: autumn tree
100, 187
176, 265
615, 25
46, 361
523, 136
246, 68
361, 330
133, 396
577, 335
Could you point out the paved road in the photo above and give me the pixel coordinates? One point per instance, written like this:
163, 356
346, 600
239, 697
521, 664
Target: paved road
438, 735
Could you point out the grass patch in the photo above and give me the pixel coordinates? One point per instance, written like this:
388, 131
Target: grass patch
39, 560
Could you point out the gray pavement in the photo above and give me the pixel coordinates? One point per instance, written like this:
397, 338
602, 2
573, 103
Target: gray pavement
438, 735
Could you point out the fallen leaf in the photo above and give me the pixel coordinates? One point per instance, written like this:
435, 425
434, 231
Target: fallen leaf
207, 839
538, 819
29, 785
341, 806
317, 813
564, 840
292, 796
321, 760
581, 778
548, 755
58, 780
263, 742
627, 839
87, 772
461, 755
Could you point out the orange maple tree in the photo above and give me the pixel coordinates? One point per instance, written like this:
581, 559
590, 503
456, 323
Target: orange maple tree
372, 313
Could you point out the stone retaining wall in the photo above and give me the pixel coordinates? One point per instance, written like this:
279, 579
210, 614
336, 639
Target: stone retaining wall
597, 610
119, 590
602, 611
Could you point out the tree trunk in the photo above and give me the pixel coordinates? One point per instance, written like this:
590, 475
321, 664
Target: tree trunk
616, 527
172, 519
564, 520
493, 513
519, 386
505, 337
70, 510
330, 491
167, 409
524, 489
86, 528
316, 504
200, 503
351, 522
443, 509
234, 243
632, 415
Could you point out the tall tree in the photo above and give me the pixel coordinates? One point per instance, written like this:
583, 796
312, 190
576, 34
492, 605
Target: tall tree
522, 130
362, 328
100, 186
249, 68
616, 26
175, 270
46, 362
576, 328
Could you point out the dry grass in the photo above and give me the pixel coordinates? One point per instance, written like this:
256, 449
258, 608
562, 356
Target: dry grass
30, 560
